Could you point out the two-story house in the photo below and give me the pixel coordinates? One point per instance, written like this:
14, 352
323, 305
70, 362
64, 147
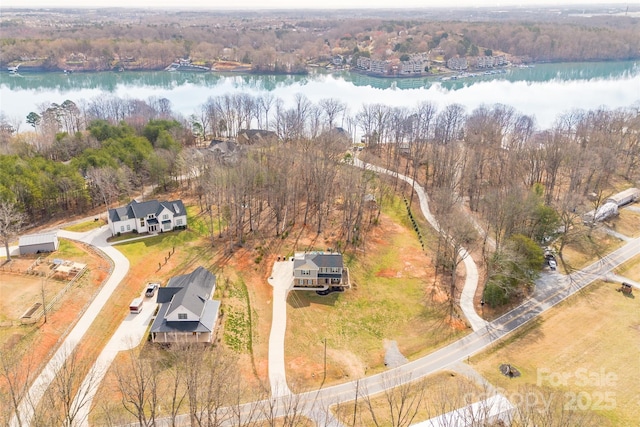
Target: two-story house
319, 270
147, 217
187, 313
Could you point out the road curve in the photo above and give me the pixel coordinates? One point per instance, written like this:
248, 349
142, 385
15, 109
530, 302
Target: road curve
471, 276
98, 239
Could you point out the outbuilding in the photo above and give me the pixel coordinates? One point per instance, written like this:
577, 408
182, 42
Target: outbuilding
38, 243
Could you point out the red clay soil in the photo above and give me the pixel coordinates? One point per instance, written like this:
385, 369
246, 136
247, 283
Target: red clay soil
60, 320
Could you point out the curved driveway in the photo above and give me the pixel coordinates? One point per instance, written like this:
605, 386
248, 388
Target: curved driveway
471, 276
98, 239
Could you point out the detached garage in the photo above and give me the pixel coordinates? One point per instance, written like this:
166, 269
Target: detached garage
37, 243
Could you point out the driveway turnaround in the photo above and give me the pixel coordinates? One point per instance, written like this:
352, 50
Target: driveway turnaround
281, 279
120, 267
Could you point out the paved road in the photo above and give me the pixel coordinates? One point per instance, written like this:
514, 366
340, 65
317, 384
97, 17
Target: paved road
98, 239
551, 289
471, 276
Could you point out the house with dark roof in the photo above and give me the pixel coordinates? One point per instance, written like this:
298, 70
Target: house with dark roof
187, 313
255, 136
319, 271
225, 151
147, 217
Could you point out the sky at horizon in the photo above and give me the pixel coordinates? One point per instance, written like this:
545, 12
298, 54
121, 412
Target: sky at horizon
296, 4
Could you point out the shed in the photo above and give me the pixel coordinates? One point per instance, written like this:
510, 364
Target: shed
37, 243
625, 197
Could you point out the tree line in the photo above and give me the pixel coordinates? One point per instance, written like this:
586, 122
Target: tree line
525, 186
291, 42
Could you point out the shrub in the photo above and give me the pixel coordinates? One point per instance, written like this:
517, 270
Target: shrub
495, 295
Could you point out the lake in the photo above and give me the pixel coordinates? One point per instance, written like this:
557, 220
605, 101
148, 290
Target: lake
544, 91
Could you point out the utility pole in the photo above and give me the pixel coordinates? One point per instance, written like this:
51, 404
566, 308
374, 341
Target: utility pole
44, 304
324, 375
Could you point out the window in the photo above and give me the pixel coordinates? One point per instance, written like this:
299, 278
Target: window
305, 272
182, 316
141, 222
128, 227
122, 228
151, 216
178, 221
165, 216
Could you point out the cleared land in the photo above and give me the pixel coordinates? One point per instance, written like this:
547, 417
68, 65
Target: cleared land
584, 351
393, 298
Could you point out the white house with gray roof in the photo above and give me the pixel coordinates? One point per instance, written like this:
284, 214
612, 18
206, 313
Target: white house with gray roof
187, 313
319, 271
147, 217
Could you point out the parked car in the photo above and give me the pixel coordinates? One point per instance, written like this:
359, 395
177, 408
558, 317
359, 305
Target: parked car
151, 289
552, 264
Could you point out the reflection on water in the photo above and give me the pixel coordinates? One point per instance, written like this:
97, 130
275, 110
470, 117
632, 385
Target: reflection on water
543, 91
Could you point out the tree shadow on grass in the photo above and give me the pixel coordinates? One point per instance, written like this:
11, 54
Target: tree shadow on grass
300, 299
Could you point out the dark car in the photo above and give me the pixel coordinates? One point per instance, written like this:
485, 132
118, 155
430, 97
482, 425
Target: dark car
151, 289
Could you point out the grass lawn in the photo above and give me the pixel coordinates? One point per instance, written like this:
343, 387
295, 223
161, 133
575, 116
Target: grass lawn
627, 222
585, 249
390, 300
585, 350
630, 269
85, 226
435, 395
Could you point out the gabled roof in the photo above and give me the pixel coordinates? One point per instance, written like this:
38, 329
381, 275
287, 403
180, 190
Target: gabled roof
143, 209
206, 324
316, 260
191, 292
252, 136
194, 289
37, 239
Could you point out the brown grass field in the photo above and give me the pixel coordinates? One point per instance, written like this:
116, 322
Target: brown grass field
437, 394
584, 350
39, 339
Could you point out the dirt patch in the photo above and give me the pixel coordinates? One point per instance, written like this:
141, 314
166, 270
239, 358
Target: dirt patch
387, 272
42, 338
351, 364
456, 323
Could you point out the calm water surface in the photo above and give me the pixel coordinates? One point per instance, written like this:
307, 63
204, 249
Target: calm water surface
544, 91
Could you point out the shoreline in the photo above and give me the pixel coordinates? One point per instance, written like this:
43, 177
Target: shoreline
243, 69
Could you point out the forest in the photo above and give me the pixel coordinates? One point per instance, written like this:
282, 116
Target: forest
526, 186
289, 41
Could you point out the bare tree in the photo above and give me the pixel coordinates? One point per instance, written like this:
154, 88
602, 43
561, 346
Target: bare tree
332, 108
138, 385
70, 390
11, 220
16, 372
402, 401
